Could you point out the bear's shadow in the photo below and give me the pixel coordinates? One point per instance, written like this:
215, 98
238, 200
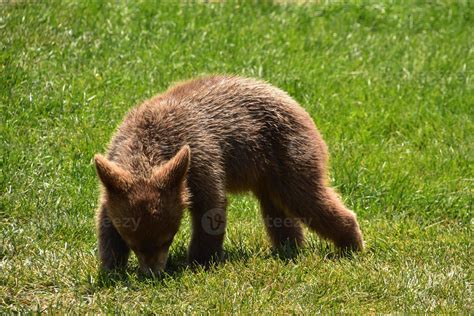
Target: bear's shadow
177, 264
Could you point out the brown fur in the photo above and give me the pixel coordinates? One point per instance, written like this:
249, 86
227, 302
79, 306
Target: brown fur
200, 139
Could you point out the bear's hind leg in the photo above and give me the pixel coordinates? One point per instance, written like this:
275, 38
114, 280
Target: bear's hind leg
324, 213
281, 228
208, 215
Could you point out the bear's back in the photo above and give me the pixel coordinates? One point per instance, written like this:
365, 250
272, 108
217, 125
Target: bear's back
237, 125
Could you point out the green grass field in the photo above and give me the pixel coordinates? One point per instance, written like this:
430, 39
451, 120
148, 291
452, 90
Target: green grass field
390, 86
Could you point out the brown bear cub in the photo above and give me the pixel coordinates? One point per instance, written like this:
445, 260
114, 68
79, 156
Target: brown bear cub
200, 139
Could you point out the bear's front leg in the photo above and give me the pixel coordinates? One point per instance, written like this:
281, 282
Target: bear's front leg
113, 251
208, 230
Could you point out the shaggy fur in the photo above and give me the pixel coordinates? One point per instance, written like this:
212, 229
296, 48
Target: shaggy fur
200, 139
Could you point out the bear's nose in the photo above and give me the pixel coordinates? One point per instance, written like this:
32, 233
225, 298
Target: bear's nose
152, 266
150, 272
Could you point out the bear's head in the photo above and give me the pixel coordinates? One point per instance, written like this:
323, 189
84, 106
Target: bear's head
146, 211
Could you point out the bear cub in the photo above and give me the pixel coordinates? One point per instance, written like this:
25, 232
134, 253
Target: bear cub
200, 139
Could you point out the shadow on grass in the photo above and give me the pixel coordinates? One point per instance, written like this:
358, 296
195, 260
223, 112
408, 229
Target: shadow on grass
178, 265
327, 250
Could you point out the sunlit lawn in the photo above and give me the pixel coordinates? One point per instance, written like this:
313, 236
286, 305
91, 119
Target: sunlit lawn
389, 86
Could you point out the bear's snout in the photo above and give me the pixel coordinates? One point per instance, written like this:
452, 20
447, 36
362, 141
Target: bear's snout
152, 265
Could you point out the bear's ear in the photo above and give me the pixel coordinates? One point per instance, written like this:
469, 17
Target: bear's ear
173, 172
112, 176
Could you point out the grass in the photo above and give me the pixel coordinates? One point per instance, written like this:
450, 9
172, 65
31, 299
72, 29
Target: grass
390, 86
